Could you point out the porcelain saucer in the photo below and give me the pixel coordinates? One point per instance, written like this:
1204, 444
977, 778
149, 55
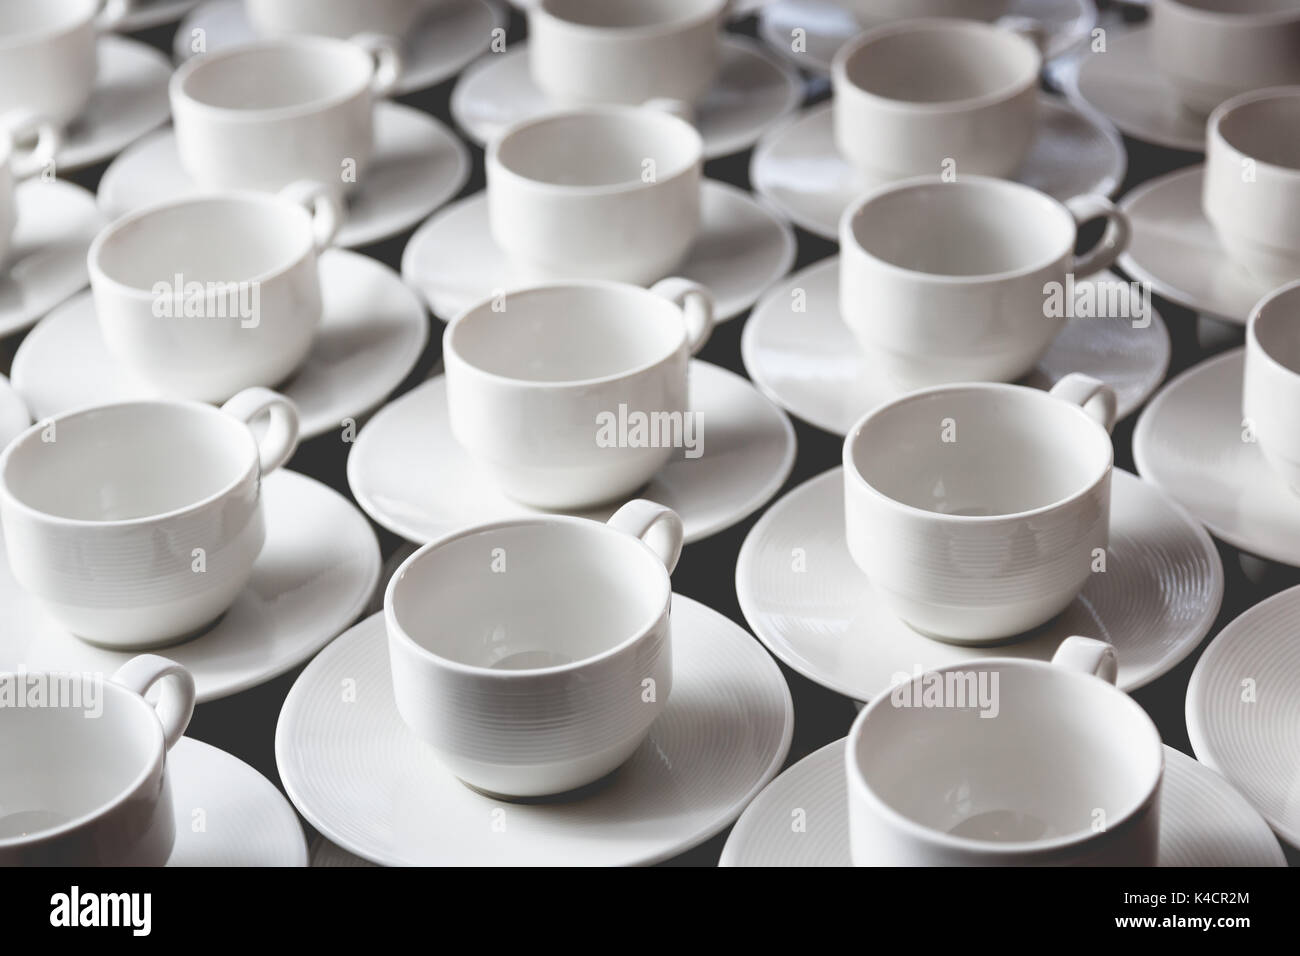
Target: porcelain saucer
807, 601
374, 789
797, 167
827, 25
372, 332
56, 222
1176, 251
753, 90
1123, 85
1203, 821
228, 814
811, 365
408, 472
1243, 709
454, 262
153, 13
450, 36
418, 165
1188, 442
313, 577
14, 417
128, 101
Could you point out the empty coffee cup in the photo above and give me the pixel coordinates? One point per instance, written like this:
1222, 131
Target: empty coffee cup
575, 394
978, 511
137, 524
85, 758
598, 193
204, 296
954, 281
19, 164
1007, 762
1271, 391
335, 18
534, 655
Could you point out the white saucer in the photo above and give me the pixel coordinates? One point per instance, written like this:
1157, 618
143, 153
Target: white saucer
453, 34
828, 25
1203, 821
798, 169
129, 100
408, 472
1188, 442
752, 91
453, 261
372, 333
1123, 85
418, 165
1250, 732
46, 263
811, 365
312, 579
369, 785
228, 814
153, 13
1176, 250
14, 417
1157, 598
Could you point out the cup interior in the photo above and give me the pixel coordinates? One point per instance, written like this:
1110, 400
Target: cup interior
1277, 328
29, 21
569, 333
126, 462
62, 763
1264, 128
302, 73
1059, 747
529, 595
974, 228
979, 451
630, 14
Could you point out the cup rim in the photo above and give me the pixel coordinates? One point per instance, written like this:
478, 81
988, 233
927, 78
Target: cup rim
399, 633
156, 765
1253, 342
449, 346
11, 41
1217, 140
1223, 17
714, 10
858, 784
251, 469
851, 468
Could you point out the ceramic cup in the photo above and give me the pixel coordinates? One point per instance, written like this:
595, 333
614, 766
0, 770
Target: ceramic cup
335, 18
85, 781
19, 164
628, 210
1007, 762
919, 97
204, 296
875, 10
265, 114
1252, 181
533, 655
1211, 50
624, 51
1271, 390
137, 524
949, 281
575, 394
977, 511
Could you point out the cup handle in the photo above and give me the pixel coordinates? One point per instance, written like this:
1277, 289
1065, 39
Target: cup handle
387, 55
658, 526
281, 439
1097, 399
696, 303
176, 693
316, 198
668, 104
1113, 241
49, 138
1088, 655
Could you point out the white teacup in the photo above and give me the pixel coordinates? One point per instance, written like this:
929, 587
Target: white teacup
207, 295
541, 385
920, 97
1211, 50
17, 165
335, 18
85, 781
978, 511
1007, 762
533, 655
1252, 181
598, 193
624, 51
137, 524
950, 281
1271, 390
266, 114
